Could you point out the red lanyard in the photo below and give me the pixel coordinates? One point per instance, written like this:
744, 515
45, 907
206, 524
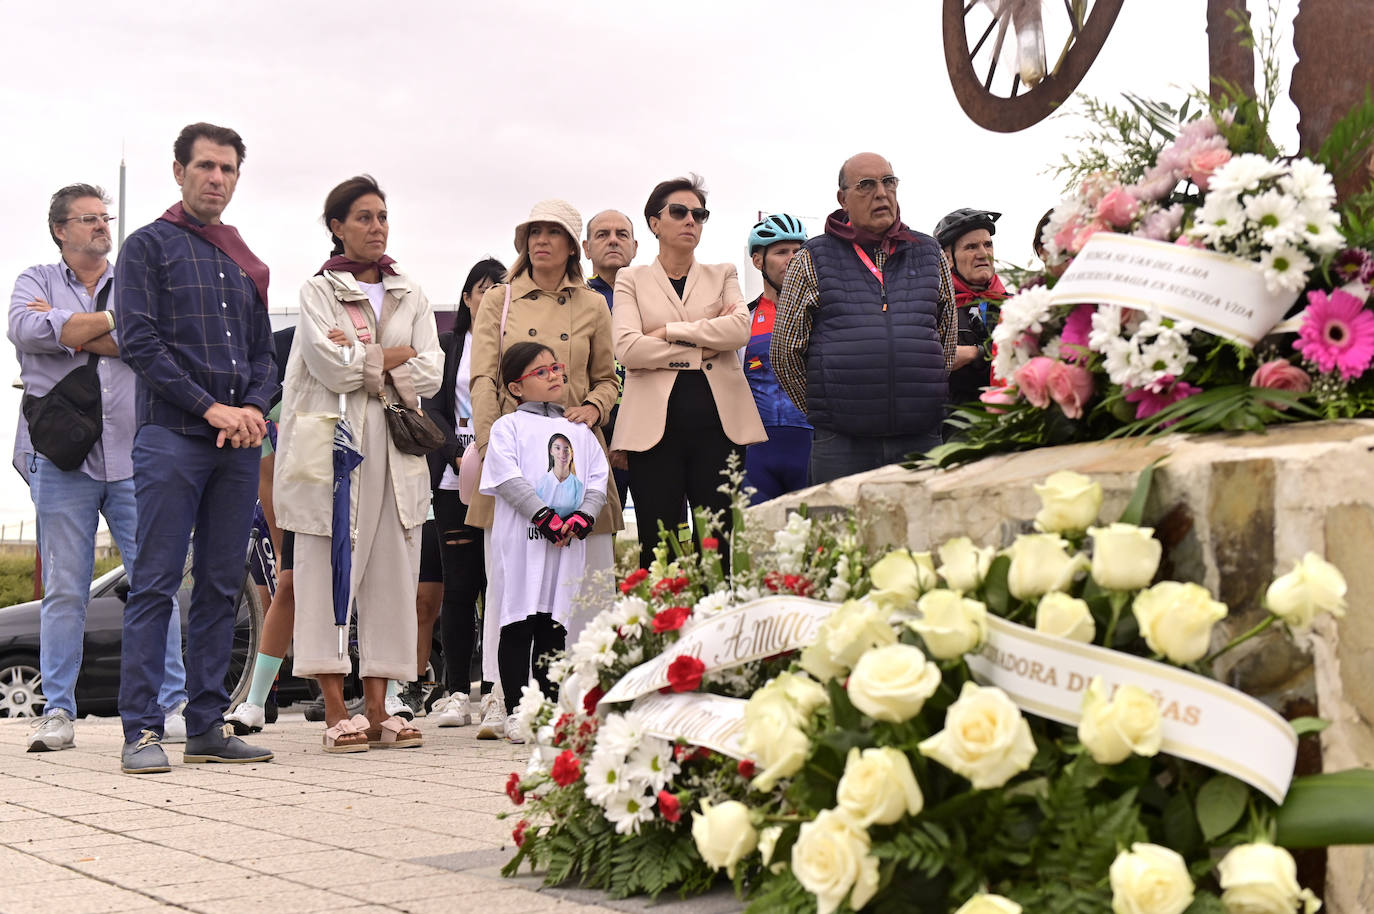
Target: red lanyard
872, 268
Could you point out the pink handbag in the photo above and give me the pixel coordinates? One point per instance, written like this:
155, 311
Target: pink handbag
470, 466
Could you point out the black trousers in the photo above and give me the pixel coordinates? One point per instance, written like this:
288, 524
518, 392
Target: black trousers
686, 463
460, 550
525, 644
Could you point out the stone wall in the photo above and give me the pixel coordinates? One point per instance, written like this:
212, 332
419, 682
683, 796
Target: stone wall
1234, 511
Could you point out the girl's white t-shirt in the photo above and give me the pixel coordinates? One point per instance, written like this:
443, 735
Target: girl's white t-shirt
462, 409
376, 293
539, 576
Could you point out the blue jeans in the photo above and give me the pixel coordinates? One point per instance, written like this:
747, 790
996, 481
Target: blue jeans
834, 455
69, 505
183, 483
780, 464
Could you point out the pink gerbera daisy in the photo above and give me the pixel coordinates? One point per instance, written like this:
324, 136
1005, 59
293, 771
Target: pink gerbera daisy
1337, 333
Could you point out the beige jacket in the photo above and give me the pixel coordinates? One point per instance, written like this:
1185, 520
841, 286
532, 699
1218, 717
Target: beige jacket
711, 315
576, 324
316, 373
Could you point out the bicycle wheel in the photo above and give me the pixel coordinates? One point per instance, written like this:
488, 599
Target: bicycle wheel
248, 620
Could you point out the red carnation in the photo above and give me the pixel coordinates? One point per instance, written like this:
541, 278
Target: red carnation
590, 700
513, 789
519, 833
669, 806
684, 673
680, 584
632, 580
746, 768
566, 768
710, 542
671, 619
701, 755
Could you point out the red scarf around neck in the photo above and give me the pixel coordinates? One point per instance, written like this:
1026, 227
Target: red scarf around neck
341, 264
228, 240
965, 295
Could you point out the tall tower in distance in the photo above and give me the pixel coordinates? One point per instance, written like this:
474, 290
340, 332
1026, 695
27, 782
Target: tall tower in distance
121, 221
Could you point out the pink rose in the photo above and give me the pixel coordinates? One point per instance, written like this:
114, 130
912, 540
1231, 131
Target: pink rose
1032, 380
1280, 374
1204, 164
1118, 207
1089, 230
998, 396
1071, 386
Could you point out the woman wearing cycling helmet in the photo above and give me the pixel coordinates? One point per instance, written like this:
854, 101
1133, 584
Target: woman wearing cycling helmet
779, 465
966, 237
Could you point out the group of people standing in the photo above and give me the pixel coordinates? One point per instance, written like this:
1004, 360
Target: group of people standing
554, 396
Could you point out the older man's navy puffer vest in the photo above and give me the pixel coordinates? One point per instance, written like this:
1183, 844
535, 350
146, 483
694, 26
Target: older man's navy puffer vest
870, 372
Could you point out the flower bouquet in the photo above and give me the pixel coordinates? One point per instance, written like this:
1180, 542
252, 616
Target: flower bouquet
973, 731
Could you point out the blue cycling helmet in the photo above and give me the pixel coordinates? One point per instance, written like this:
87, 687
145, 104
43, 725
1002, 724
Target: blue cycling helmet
775, 228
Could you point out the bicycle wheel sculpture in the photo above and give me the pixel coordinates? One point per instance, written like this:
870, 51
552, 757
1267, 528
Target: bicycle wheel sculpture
1012, 63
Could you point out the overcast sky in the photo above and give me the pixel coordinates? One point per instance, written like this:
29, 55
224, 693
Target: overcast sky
467, 113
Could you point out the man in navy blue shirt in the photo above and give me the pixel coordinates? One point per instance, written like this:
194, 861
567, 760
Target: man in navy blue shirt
193, 315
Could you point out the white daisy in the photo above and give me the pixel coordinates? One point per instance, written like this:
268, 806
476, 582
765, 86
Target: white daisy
709, 605
1243, 172
746, 594
619, 734
632, 615
1106, 328
1275, 215
629, 810
605, 776
1220, 217
1309, 181
1285, 268
652, 763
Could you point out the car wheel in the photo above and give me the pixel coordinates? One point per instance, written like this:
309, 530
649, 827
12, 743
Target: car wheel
21, 687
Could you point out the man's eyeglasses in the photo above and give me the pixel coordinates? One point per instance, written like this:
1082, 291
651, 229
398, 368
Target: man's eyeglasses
91, 218
679, 212
544, 372
869, 185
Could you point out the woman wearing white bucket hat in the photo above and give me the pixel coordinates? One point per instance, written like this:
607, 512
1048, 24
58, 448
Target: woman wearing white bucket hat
545, 300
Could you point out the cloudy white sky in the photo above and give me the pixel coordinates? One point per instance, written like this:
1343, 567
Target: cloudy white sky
467, 113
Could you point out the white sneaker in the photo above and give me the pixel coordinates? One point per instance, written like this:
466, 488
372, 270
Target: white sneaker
513, 731
451, 711
174, 725
493, 717
246, 718
395, 707
51, 732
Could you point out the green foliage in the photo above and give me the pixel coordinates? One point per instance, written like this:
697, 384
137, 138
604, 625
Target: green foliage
1304, 725
1233, 408
16, 575
1220, 804
1327, 809
1122, 141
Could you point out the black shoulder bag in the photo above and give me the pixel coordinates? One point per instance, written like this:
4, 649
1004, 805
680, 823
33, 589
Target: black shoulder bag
65, 423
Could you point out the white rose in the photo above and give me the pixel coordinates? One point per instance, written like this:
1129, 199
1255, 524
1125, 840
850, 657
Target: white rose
964, 565
900, 577
1128, 723
1313, 586
878, 787
1065, 616
804, 692
989, 904
723, 834
844, 636
892, 683
831, 861
1069, 502
1149, 879
985, 738
768, 842
1176, 619
773, 739
1262, 879
950, 624
1125, 557
1040, 562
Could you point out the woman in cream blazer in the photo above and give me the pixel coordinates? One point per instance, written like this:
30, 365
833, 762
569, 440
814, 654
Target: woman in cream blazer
686, 405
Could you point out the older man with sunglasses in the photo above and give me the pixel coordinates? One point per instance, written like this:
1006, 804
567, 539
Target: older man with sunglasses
865, 333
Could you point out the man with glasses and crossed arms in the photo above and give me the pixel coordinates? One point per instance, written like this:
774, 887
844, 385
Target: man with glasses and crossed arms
60, 316
865, 333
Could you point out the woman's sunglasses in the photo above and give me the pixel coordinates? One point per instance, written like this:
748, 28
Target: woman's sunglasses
544, 372
679, 212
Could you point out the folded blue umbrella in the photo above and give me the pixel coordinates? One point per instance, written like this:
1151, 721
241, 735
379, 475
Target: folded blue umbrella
346, 459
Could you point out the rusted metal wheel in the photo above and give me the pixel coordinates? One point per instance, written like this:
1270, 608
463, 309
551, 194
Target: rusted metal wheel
981, 54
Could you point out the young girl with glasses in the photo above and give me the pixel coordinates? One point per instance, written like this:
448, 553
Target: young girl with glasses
531, 451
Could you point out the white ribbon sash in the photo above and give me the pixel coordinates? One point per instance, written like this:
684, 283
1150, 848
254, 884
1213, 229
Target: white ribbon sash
713, 721
1203, 720
1221, 294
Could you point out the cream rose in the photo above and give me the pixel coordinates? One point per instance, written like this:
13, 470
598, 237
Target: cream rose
1065, 616
1069, 502
950, 624
1125, 557
985, 738
964, 565
724, 834
1127, 723
1040, 562
1262, 879
805, 693
989, 904
768, 842
831, 861
1176, 619
1149, 879
878, 787
843, 637
892, 683
1313, 586
900, 577
773, 738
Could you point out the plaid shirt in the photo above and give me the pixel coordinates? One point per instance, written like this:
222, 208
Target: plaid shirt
801, 296
192, 328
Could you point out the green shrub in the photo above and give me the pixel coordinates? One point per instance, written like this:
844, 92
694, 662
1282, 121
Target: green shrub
16, 576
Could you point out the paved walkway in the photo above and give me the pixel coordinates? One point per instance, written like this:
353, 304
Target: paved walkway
411, 830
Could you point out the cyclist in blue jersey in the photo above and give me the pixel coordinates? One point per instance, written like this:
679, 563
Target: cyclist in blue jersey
779, 465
